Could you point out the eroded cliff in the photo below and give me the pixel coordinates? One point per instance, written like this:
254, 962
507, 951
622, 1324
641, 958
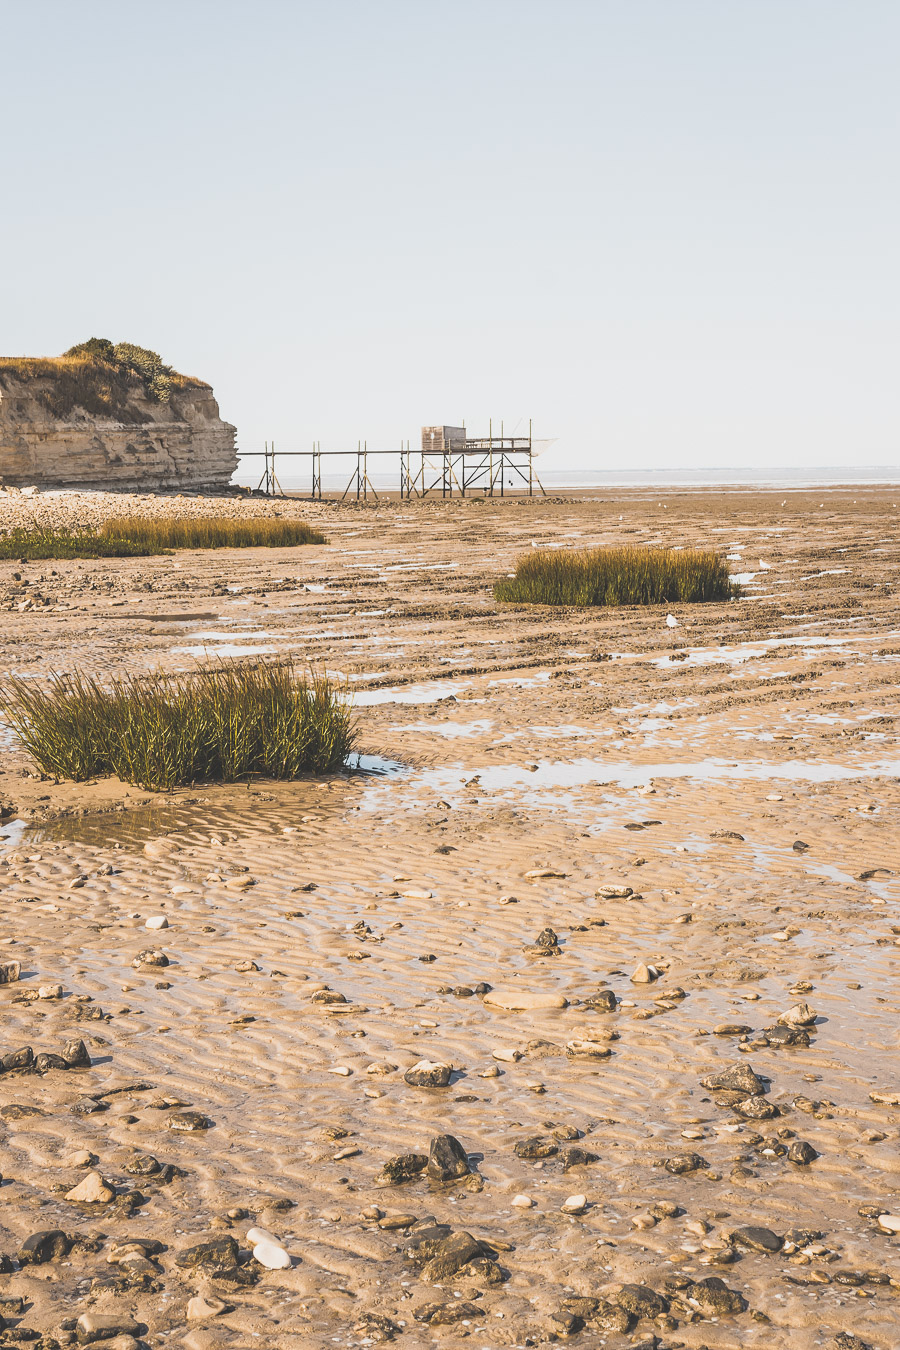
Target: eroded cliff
107, 416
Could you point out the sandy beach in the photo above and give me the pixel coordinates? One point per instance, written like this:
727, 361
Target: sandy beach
586, 860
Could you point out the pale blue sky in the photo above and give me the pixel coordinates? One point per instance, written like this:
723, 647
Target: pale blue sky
667, 230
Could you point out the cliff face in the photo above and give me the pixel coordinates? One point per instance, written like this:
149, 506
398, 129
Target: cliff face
124, 437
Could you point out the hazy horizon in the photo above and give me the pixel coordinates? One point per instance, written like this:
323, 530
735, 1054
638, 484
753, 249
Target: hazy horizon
667, 233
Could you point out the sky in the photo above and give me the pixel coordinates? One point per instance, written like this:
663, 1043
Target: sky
664, 230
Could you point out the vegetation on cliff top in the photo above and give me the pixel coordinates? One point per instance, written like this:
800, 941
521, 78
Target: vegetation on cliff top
158, 731
102, 377
617, 576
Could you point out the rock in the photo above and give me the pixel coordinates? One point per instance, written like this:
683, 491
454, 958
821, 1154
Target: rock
201, 1306
845, 1340
10, 972
93, 1190
713, 1298
727, 834
800, 1015
799, 847
328, 996
600, 1314
885, 1098
536, 1147
157, 921
150, 957
94, 1326
684, 1162
757, 1239
732, 1029
575, 1204
447, 1160
516, 1000
578, 1157
889, 1223
426, 1074
641, 1301
611, 892
44, 1062
17, 1059
587, 1050
49, 1244
737, 1078
756, 1108
271, 1254
76, 1055
214, 1254
451, 1254
543, 873
604, 1001
645, 974
188, 1122
403, 1168
446, 1314
522, 1202
801, 1153
784, 1035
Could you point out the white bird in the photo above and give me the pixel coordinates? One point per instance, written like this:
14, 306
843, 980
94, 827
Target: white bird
764, 566
671, 621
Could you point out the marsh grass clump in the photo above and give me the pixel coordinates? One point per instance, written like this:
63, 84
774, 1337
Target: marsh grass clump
29, 544
218, 724
211, 532
617, 576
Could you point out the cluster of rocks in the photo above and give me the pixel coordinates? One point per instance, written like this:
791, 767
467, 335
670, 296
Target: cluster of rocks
74, 1056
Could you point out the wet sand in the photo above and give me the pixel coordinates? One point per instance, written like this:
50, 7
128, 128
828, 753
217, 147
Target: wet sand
739, 773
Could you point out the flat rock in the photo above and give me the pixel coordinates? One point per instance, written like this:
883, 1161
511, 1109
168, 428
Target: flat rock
737, 1078
95, 1326
92, 1190
426, 1074
757, 1239
520, 1000
50, 1244
641, 1301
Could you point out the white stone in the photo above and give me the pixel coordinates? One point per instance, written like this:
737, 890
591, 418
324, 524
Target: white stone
543, 873
523, 1202
889, 1222
199, 1307
576, 1204
157, 921
272, 1256
93, 1190
520, 1000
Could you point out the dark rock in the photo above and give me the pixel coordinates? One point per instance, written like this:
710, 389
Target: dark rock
604, 1001
757, 1239
737, 1078
17, 1059
727, 834
94, 1327
802, 1237
451, 1254
428, 1075
732, 1029
188, 1122
238, 1277
482, 988
600, 1314
756, 1108
854, 1278
144, 1166
536, 1147
685, 1162
217, 1253
577, 1157
845, 1341
713, 1298
641, 1301
801, 1153
88, 1106
781, 1035
566, 1323
150, 957
76, 1055
463, 991
44, 1062
447, 1159
376, 1327
799, 847
403, 1167
445, 1314
486, 1269
51, 1244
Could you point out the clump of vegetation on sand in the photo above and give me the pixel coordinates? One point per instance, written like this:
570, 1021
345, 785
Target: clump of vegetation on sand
617, 576
212, 532
29, 544
141, 536
218, 724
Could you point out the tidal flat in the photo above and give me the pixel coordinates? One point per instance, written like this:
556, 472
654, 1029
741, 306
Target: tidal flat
613, 903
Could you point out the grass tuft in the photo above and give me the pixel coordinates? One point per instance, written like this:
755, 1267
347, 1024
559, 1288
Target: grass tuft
617, 576
141, 536
212, 532
219, 724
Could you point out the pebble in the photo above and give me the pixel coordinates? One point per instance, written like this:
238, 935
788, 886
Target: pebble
575, 1204
201, 1306
269, 1253
92, 1190
157, 921
426, 1074
543, 873
523, 1202
645, 974
889, 1223
343, 1070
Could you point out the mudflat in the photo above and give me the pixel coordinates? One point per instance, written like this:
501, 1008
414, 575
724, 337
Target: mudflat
613, 903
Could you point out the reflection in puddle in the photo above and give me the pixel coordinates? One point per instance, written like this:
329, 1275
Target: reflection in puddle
222, 649
449, 729
432, 692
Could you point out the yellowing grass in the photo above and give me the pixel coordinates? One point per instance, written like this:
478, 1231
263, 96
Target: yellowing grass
211, 532
617, 576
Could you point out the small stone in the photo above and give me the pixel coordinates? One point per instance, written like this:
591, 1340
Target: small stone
76, 1056
641, 1301
543, 873
94, 1326
50, 1244
604, 1001
272, 1255
520, 1001
188, 1122
612, 892
215, 1254
93, 1190
685, 1162
713, 1298
150, 957
522, 1202
10, 972
801, 1153
426, 1074
889, 1223
738, 1078
645, 974
402, 1168
536, 1147
800, 1015
575, 1204
757, 1239
578, 1157
157, 921
201, 1306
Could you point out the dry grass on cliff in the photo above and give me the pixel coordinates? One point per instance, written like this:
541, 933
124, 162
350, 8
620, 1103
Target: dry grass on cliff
159, 732
617, 576
99, 388
211, 532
